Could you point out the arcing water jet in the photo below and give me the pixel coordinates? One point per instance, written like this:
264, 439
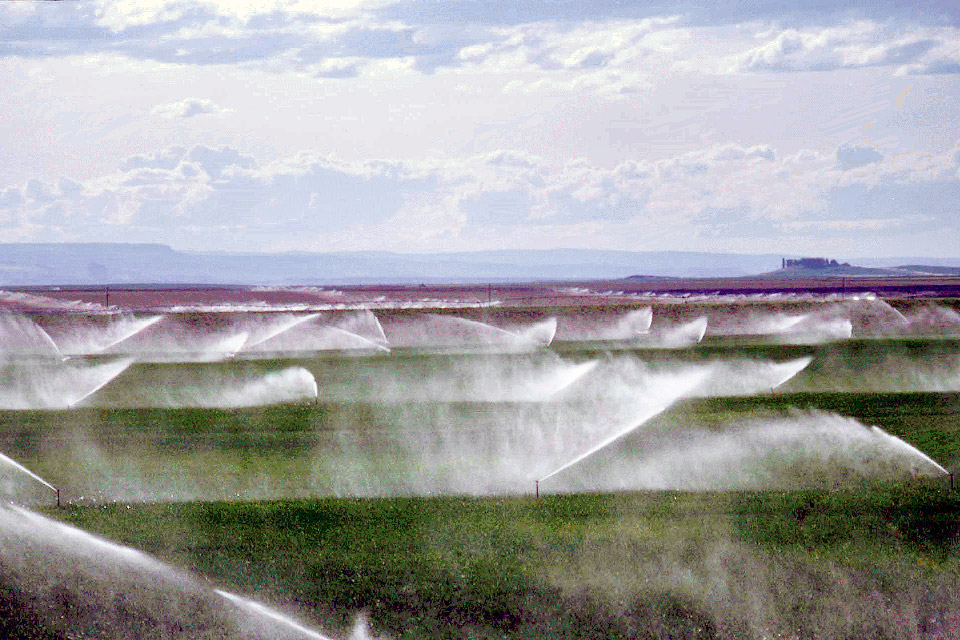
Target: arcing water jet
19, 467
630, 428
287, 385
176, 339
748, 377
540, 334
624, 328
258, 609
55, 386
311, 335
21, 337
669, 393
909, 449
277, 326
82, 335
110, 371
802, 450
81, 585
537, 376
685, 335
756, 324
631, 325
453, 333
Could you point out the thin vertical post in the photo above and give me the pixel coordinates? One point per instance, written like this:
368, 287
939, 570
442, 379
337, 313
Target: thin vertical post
538, 486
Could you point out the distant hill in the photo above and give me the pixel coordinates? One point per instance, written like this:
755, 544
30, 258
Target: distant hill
847, 270
95, 264
931, 270
827, 272
907, 262
49, 264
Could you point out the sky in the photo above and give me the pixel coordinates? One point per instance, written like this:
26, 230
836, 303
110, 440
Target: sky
832, 129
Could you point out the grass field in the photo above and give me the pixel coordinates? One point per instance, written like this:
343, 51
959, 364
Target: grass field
879, 562
744, 486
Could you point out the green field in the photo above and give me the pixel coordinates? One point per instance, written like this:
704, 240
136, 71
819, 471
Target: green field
736, 488
879, 562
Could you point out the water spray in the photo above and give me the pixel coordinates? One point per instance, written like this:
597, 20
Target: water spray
285, 324
135, 327
630, 428
912, 450
262, 610
51, 560
19, 467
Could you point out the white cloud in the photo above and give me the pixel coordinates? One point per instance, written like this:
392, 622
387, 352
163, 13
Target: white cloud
573, 124
205, 197
603, 56
606, 56
188, 108
908, 48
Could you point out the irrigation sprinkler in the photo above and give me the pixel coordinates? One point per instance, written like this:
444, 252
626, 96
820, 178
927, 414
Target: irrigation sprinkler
58, 497
538, 487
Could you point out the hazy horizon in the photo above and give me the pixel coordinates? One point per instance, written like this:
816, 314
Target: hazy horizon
104, 263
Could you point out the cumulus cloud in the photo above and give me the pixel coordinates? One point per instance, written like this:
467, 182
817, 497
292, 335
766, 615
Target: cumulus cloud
694, 12
220, 197
366, 78
188, 108
613, 57
907, 48
323, 39
561, 48
337, 69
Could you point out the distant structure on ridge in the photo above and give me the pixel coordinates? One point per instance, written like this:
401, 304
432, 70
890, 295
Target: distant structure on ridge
811, 263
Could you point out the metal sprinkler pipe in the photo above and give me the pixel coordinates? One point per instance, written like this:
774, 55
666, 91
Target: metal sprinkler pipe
538, 487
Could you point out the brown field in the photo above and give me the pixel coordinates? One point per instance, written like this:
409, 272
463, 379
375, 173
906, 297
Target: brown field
149, 297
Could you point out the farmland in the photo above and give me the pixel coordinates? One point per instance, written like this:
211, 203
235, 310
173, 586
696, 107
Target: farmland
708, 465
